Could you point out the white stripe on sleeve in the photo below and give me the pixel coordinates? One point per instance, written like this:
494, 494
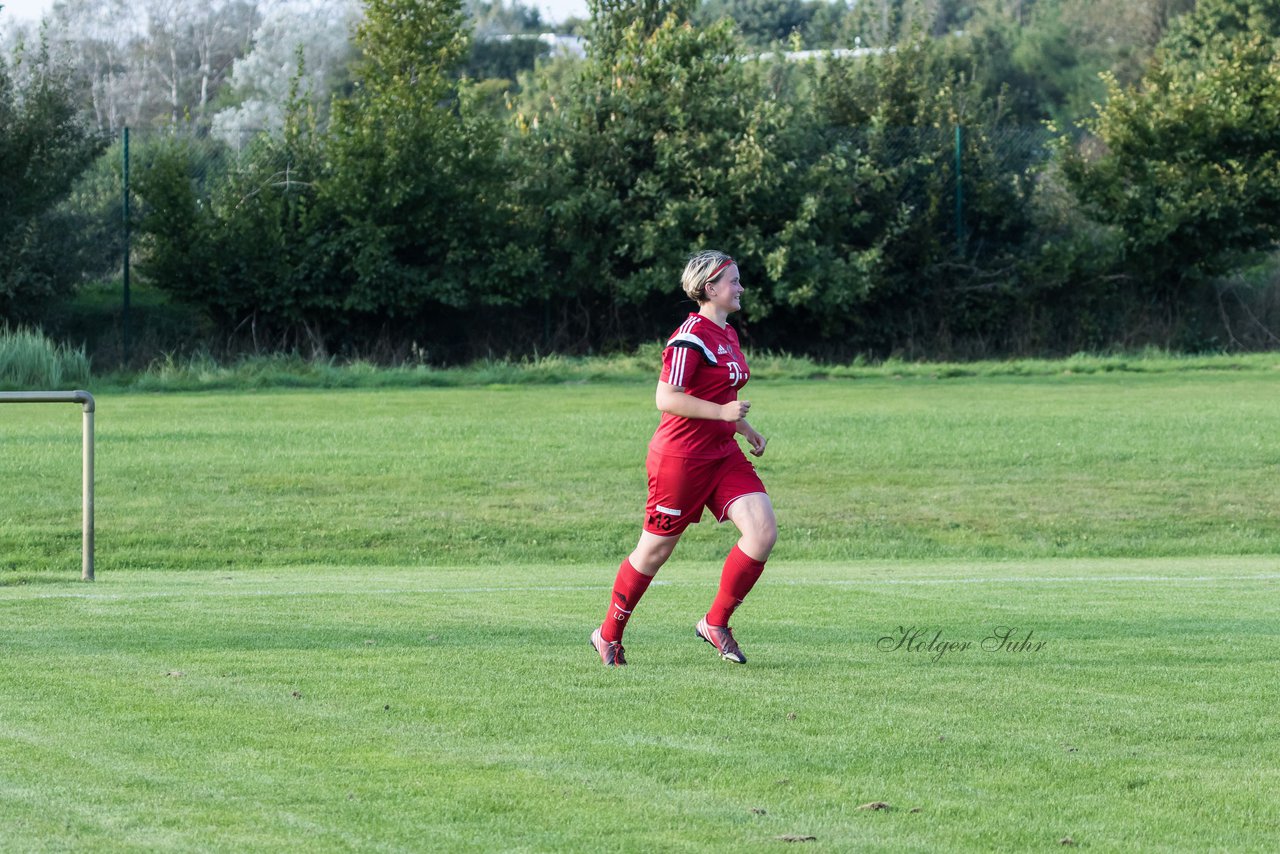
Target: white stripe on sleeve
677, 366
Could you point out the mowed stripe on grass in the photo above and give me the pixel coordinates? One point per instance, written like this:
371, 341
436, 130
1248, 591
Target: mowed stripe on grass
435, 709
965, 469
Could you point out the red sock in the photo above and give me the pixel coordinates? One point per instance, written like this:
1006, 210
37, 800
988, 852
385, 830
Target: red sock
628, 587
741, 571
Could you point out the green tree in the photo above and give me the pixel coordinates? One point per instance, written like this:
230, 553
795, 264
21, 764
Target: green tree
414, 179
504, 42
392, 218
663, 142
44, 147
762, 23
176, 247
832, 182
268, 235
237, 233
1186, 164
1049, 58
881, 23
939, 278
496, 17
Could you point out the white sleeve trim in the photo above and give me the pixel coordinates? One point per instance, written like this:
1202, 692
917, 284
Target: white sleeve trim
688, 338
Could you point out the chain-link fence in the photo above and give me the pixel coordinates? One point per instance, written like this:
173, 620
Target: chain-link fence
943, 173
121, 318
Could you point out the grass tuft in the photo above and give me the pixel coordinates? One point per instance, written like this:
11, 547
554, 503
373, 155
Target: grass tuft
30, 361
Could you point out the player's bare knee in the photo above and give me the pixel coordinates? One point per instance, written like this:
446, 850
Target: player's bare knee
651, 553
759, 533
762, 538
767, 533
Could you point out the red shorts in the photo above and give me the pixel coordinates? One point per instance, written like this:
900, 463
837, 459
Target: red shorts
680, 487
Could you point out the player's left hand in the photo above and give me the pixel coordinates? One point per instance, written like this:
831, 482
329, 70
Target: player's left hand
757, 442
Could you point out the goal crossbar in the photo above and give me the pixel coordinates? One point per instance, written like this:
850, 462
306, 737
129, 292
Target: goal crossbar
86, 485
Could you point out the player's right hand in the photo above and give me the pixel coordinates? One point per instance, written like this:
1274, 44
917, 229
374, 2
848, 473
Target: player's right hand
734, 410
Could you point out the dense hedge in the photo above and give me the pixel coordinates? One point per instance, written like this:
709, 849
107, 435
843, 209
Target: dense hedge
879, 204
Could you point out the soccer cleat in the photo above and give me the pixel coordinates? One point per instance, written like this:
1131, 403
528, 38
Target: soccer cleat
721, 637
610, 651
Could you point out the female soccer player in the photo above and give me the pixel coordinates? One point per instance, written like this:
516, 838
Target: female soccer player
695, 462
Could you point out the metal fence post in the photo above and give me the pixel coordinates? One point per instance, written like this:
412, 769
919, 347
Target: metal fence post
124, 312
959, 190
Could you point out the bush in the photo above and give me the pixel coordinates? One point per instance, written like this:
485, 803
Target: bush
1185, 163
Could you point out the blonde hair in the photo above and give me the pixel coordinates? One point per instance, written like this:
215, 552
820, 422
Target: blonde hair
703, 268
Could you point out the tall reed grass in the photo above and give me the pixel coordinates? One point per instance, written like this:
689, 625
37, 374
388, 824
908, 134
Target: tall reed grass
30, 361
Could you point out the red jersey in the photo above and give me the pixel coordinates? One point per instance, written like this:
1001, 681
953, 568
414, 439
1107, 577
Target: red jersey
707, 363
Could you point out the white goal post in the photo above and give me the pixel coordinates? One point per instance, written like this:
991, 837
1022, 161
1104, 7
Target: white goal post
86, 486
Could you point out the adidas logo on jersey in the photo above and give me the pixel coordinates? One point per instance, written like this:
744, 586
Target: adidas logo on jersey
722, 350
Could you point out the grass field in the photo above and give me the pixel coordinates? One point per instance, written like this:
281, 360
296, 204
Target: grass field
357, 620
